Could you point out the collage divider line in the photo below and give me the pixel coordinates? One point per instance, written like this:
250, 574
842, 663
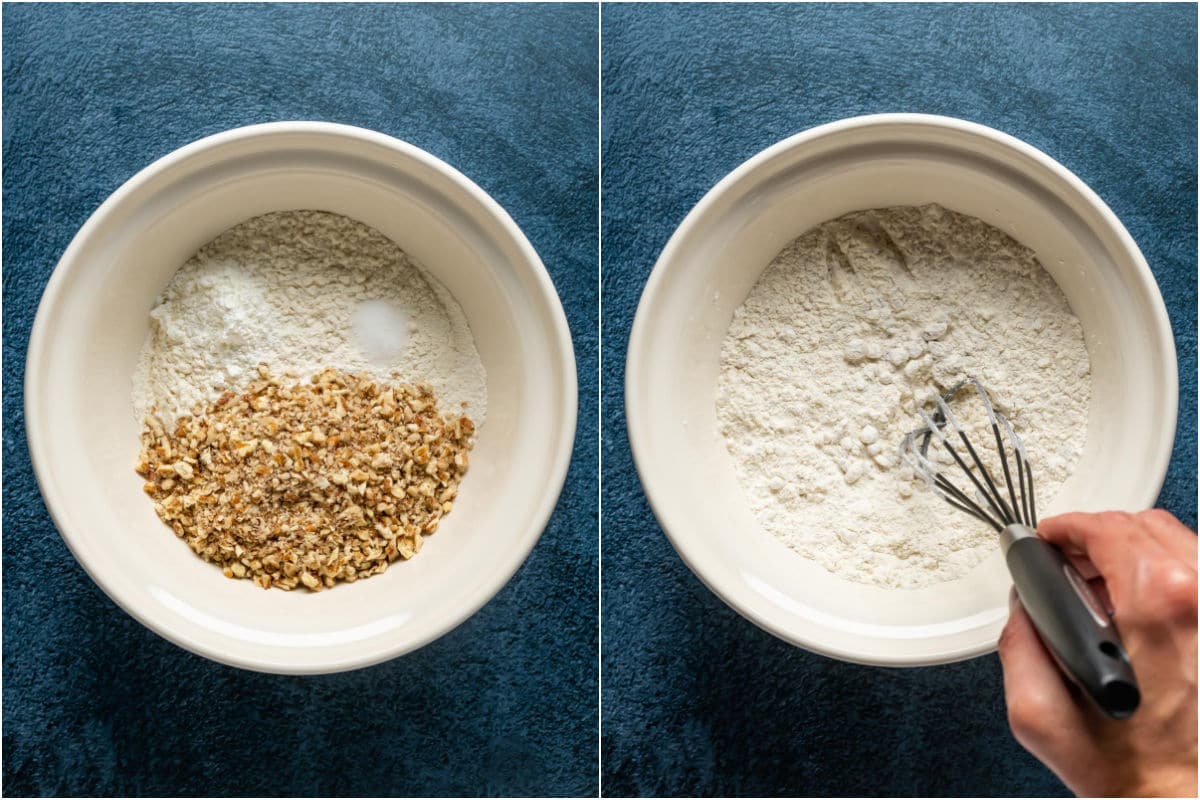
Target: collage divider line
599, 401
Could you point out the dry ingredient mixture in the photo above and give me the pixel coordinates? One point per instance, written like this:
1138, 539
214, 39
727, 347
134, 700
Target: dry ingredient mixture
308, 483
293, 482
302, 290
850, 328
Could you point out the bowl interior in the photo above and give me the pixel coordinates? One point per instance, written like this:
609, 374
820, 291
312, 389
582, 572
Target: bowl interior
85, 439
709, 268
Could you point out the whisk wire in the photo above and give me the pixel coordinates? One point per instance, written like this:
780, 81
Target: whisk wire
1021, 470
1025, 480
1018, 506
993, 493
964, 503
989, 504
915, 456
990, 494
1032, 509
1007, 473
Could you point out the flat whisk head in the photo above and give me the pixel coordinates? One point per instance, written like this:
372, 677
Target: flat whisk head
984, 499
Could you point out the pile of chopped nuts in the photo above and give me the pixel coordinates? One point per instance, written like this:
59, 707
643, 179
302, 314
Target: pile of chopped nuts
308, 483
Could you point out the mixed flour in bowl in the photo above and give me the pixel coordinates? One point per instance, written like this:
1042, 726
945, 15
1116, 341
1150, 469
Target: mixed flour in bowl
853, 326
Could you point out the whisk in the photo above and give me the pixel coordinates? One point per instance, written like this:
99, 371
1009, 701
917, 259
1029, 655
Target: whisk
1069, 618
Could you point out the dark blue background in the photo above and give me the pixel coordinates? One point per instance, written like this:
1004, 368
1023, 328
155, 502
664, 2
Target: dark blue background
94, 702
695, 699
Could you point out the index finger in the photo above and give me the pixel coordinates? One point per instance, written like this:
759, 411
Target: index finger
1113, 541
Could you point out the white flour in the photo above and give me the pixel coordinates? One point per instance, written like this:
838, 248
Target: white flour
853, 323
303, 290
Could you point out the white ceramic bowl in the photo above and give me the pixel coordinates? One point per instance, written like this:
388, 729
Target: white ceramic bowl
716, 256
92, 321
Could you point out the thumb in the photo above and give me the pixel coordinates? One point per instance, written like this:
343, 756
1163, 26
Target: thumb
1041, 708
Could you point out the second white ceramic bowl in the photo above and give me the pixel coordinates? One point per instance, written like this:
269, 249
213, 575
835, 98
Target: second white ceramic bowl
716, 256
94, 316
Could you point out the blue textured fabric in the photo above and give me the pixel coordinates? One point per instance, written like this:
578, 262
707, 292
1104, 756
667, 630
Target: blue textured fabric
697, 700
96, 704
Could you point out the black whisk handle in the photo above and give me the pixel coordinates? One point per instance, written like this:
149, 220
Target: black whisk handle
1071, 621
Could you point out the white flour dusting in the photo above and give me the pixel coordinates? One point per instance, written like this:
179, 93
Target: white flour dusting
301, 291
848, 328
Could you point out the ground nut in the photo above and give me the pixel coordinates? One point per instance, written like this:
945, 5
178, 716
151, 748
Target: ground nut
331, 513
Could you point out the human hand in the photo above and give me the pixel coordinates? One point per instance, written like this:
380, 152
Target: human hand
1144, 566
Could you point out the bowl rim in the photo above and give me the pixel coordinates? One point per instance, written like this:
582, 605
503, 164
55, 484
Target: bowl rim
635, 375
219, 647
